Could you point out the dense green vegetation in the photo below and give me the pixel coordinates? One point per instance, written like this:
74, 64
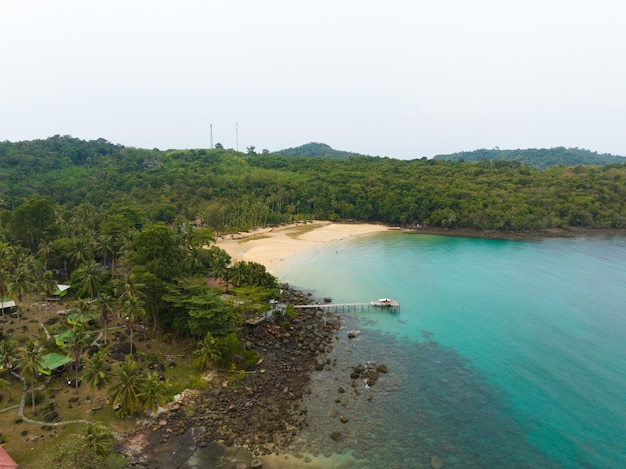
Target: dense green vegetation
539, 158
313, 149
128, 188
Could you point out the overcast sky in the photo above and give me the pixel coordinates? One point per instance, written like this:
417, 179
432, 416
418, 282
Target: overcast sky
398, 78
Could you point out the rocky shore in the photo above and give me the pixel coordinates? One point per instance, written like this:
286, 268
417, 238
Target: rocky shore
240, 418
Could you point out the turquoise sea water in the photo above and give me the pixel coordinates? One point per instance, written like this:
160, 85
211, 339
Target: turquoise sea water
504, 353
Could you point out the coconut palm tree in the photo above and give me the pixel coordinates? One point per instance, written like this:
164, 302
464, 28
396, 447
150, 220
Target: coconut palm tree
98, 438
97, 372
29, 364
46, 287
127, 387
77, 342
206, 354
21, 283
83, 250
220, 263
84, 313
44, 252
4, 286
127, 286
104, 248
8, 356
104, 305
89, 276
6, 384
134, 311
152, 392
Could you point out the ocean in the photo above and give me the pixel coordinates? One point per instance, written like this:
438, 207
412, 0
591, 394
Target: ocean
504, 354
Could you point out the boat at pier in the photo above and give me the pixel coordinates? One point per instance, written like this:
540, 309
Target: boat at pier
385, 302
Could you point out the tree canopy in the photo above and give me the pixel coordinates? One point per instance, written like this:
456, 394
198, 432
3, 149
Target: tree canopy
230, 191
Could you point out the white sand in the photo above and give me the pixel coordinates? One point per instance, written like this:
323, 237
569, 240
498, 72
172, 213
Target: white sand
268, 246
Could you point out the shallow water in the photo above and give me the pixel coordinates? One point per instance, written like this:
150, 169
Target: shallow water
504, 353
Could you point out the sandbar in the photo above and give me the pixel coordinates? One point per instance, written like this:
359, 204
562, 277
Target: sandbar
269, 246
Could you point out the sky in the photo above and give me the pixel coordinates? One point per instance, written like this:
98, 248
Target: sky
398, 78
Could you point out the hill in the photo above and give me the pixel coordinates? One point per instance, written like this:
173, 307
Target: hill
317, 150
538, 157
231, 191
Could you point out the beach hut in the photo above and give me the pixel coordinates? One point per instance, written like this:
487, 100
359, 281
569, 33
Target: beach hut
50, 363
59, 293
64, 337
6, 306
6, 462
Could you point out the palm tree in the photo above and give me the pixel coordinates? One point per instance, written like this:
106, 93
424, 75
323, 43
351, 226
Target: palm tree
98, 438
127, 387
77, 343
193, 260
6, 384
8, 356
134, 311
97, 372
83, 250
127, 287
153, 392
206, 354
45, 251
29, 364
83, 314
20, 285
104, 248
219, 265
47, 287
104, 305
89, 276
4, 286
238, 274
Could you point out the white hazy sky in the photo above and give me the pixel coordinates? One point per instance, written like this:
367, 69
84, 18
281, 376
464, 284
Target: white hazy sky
398, 78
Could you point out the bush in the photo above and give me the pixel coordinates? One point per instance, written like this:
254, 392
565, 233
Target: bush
291, 311
39, 397
250, 358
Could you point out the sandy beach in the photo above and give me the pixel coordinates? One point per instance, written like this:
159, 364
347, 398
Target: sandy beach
269, 246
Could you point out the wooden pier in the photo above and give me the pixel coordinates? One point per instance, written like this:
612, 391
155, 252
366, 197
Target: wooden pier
391, 305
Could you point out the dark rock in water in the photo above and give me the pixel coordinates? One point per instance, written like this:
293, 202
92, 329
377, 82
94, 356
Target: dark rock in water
327, 300
336, 436
381, 368
351, 335
343, 419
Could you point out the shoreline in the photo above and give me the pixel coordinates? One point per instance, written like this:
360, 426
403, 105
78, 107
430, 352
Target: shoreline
272, 245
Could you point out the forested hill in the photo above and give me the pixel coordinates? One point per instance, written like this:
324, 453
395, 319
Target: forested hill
318, 150
538, 158
125, 187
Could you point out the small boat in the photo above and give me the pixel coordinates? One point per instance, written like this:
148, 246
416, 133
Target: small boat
385, 302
